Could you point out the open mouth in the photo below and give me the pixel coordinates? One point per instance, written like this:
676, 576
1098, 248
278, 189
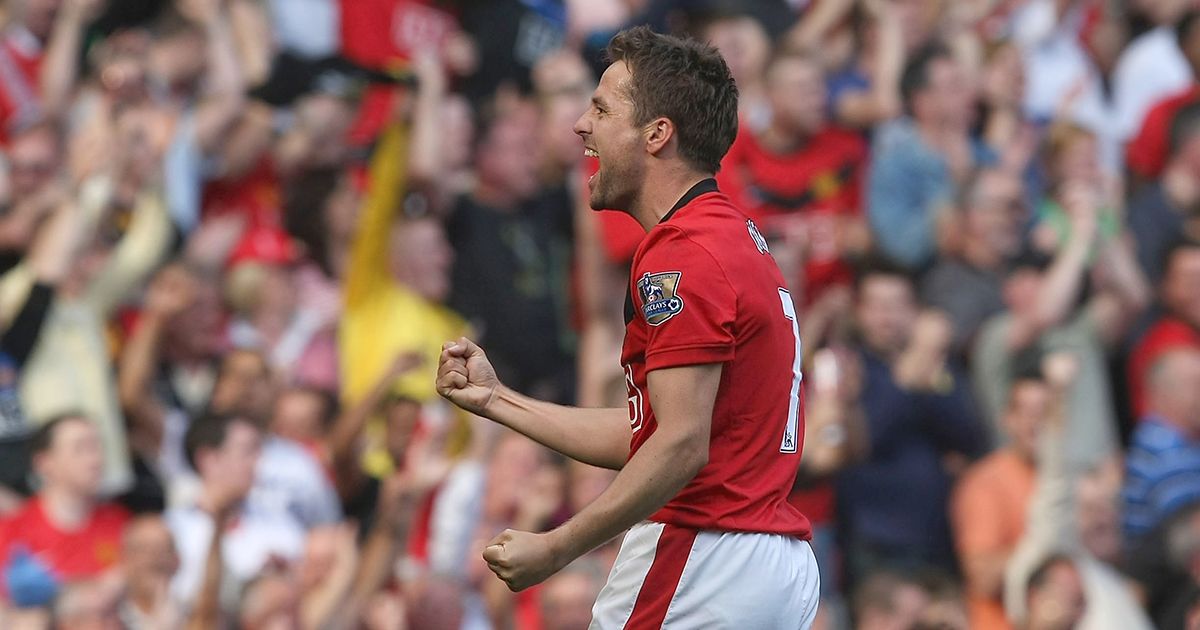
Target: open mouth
592, 153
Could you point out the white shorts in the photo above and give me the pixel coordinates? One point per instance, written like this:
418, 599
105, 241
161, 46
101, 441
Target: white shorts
677, 578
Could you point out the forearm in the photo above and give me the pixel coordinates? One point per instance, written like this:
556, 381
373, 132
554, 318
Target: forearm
664, 464
349, 424
818, 21
252, 31
138, 359
599, 437
225, 90
425, 154
55, 245
1126, 279
1061, 285
1055, 298
889, 63
378, 558
60, 71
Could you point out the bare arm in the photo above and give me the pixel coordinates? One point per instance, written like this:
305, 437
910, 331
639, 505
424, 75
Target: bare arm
60, 67
347, 429
171, 292
251, 27
425, 152
56, 243
882, 101
1124, 290
1062, 281
683, 399
321, 606
599, 437
226, 97
135, 369
818, 20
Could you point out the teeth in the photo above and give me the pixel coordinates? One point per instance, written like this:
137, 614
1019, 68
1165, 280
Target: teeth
590, 153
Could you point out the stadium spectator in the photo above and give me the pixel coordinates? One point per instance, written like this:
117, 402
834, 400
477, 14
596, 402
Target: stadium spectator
512, 244
1162, 475
1046, 312
148, 562
1148, 152
1001, 546
66, 532
918, 410
919, 162
800, 178
1151, 67
1176, 326
1165, 208
1163, 565
1056, 597
49, 259
966, 283
990, 502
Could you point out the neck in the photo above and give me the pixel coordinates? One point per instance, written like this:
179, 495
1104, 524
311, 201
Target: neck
1177, 422
495, 197
656, 201
977, 254
271, 323
779, 139
938, 133
64, 509
144, 599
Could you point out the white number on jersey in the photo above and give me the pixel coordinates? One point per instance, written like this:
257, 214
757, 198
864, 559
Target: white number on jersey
635, 400
788, 445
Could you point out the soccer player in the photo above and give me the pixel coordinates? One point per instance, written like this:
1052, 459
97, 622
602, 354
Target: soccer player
710, 442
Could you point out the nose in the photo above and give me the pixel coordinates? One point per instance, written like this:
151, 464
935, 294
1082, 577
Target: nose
582, 125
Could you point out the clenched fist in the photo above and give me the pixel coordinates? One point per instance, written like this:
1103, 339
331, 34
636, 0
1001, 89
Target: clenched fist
522, 559
465, 376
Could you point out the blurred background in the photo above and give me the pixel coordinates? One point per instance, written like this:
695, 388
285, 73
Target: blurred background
235, 233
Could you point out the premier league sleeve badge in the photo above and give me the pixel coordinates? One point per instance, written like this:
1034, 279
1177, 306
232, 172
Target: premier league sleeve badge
660, 299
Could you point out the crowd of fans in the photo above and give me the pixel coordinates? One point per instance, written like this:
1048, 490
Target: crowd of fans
234, 235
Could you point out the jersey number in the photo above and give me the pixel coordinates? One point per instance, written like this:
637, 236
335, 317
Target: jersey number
635, 400
789, 445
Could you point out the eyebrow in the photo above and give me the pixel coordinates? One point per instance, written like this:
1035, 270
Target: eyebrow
599, 102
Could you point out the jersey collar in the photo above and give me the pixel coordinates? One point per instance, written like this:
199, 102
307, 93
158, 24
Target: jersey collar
703, 186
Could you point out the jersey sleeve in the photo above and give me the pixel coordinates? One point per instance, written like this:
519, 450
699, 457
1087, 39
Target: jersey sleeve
687, 302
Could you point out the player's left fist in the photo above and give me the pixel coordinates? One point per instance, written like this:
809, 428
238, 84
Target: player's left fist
522, 559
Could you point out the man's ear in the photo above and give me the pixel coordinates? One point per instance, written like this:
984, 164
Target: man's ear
660, 133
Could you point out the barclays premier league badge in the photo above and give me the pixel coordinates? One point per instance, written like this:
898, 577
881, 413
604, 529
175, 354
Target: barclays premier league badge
660, 300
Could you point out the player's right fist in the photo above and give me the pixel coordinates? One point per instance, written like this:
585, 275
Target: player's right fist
465, 376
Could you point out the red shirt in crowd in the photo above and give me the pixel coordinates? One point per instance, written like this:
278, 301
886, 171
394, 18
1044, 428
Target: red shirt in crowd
1147, 153
411, 26
820, 180
1164, 336
704, 289
69, 555
20, 64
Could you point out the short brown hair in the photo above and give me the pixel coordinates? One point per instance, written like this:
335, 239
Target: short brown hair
686, 81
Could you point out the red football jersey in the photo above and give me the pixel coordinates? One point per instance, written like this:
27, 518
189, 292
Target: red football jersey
69, 555
704, 289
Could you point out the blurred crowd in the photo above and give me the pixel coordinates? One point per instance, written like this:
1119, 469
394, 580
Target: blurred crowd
235, 233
